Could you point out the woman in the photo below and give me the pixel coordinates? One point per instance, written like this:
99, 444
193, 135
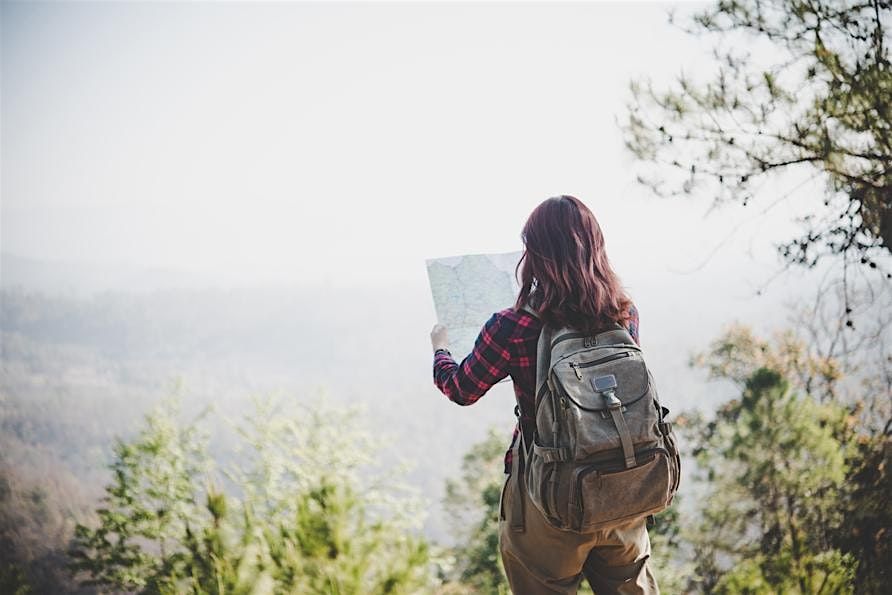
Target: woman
567, 281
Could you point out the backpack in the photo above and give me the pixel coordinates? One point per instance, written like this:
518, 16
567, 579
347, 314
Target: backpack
602, 452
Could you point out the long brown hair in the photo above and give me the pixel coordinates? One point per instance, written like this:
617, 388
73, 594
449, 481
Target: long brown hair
564, 272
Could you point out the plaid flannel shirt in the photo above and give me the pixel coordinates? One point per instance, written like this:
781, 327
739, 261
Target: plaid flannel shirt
506, 346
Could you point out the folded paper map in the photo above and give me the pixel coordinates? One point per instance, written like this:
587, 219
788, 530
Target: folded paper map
467, 290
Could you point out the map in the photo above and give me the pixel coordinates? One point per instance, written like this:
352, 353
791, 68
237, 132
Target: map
467, 290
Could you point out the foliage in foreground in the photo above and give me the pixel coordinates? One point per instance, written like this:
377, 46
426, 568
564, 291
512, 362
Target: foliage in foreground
794, 497
796, 501
305, 517
473, 504
777, 467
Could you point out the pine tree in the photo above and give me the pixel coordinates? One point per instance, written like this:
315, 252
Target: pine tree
306, 513
801, 85
473, 504
777, 464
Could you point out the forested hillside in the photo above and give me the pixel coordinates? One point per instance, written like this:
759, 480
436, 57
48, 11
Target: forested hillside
80, 371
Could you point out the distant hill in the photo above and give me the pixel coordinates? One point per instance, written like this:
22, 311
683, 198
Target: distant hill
78, 278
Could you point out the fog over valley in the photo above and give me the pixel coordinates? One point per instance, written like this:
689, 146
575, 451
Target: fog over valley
87, 349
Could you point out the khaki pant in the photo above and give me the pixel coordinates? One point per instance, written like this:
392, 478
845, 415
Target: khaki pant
544, 560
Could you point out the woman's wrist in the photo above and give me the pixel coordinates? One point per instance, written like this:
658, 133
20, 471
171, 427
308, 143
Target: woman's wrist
439, 337
438, 350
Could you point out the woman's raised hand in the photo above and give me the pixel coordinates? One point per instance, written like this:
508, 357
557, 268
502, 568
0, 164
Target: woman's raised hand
439, 337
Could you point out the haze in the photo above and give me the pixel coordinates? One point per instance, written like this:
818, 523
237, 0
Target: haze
328, 149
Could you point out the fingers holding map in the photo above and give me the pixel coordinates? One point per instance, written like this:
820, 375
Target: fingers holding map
467, 290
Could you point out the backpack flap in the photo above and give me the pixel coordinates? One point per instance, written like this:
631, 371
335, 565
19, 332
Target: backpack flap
576, 374
620, 416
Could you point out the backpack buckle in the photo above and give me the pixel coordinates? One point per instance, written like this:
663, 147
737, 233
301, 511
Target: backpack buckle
612, 401
606, 386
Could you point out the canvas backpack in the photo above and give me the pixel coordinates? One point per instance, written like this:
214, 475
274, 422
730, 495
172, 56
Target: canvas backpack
602, 452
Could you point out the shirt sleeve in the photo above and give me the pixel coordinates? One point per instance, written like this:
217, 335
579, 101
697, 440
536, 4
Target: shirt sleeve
487, 364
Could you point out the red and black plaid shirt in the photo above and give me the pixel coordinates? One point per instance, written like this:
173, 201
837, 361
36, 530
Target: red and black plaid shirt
506, 346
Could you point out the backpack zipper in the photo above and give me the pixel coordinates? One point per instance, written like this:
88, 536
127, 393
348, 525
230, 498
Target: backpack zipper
578, 366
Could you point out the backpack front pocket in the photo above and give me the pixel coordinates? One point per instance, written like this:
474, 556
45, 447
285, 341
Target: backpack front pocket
601, 498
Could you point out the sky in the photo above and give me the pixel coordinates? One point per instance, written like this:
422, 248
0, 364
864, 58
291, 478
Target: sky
344, 144
294, 140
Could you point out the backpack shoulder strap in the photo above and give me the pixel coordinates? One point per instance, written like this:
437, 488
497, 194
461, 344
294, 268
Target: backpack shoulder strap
543, 352
543, 349
543, 358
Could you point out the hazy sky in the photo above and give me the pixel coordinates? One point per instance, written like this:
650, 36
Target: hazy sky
342, 142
